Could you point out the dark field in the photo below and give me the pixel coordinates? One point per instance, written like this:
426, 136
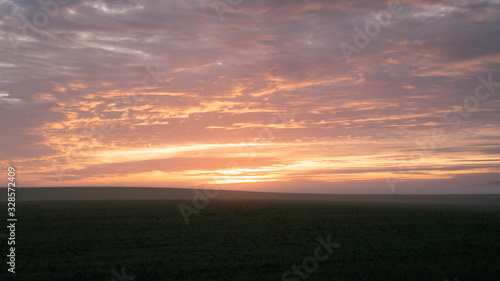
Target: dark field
252, 240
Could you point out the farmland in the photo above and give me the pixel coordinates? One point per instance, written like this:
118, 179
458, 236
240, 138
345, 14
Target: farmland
253, 240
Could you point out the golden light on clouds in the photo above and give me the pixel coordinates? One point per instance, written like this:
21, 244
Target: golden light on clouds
266, 96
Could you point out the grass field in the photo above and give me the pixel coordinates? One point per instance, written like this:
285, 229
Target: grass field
252, 240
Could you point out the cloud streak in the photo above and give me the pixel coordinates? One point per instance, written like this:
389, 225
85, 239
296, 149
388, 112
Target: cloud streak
217, 92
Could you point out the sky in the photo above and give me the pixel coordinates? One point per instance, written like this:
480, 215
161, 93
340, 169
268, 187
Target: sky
290, 96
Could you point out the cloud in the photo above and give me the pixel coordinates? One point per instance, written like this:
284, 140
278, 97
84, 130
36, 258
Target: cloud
271, 74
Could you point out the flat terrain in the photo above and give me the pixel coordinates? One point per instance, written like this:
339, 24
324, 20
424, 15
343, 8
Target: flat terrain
145, 193
253, 240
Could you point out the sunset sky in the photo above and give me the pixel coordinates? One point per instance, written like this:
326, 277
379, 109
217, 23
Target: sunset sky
297, 96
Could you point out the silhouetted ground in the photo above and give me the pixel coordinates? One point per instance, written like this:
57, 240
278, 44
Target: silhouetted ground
253, 240
145, 193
